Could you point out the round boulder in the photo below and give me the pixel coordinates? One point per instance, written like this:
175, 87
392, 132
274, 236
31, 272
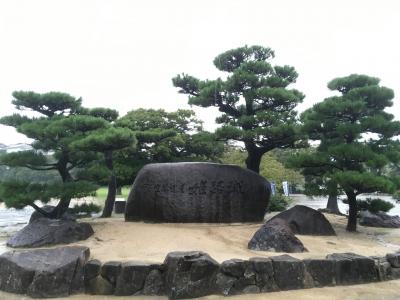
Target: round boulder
276, 235
307, 221
379, 219
42, 232
197, 192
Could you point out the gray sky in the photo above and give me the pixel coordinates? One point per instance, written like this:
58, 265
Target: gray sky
123, 54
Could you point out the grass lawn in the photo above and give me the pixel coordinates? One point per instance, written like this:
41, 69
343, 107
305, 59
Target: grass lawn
101, 194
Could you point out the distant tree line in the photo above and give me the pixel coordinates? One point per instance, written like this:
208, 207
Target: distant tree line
355, 141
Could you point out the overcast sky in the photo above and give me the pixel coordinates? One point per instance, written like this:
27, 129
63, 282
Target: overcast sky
123, 54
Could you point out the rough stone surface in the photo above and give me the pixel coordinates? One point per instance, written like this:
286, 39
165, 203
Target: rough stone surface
289, 273
110, 271
99, 286
237, 276
154, 283
276, 235
44, 273
395, 273
394, 259
379, 219
264, 270
322, 271
119, 206
190, 274
42, 232
352, 268
197, 192
305, 220
131, 279
48, 208
92, 269
382, 267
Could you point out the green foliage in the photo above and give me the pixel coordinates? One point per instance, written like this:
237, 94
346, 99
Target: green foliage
18, 194
106, 139
48, 104
164, 137
61, 123
85, 209
257, 106
101, 193
270, 168
279, 202
24, 174
30, 158
110, 115
375, 205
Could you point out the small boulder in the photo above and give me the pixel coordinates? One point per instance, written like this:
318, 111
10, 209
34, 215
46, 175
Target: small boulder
92, 269
289, 272
321, 271
276, 235
264, 274
237, 276
383, 267
99, 286
380, 219
110, 271
44, 273
43, 232
352, 268
133, 276
393, 259
154, 283
307, 221
190, 274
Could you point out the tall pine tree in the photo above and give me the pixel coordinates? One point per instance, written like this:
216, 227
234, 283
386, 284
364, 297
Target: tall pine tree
257, 106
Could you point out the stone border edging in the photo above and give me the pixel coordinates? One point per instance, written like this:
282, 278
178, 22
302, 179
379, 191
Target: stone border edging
196, 274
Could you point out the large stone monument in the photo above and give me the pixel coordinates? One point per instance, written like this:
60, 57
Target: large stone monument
197, 192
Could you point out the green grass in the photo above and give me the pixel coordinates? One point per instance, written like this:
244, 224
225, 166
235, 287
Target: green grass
101, 194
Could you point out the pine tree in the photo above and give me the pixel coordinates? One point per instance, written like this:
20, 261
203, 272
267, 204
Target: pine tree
356, 140
57, 123
107, 141
257, 107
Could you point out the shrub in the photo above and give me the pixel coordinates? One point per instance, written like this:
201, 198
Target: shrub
85, 209
373, 205
279, 202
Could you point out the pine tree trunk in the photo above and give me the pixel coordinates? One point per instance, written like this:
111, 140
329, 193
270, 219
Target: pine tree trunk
61, 207
253, 159
112, 187
332, 204
352, 220
64, 202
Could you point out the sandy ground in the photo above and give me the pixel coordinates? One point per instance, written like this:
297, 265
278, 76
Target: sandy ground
115, 239
389, 290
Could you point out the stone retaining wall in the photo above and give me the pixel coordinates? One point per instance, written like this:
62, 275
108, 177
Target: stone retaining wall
196, 274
